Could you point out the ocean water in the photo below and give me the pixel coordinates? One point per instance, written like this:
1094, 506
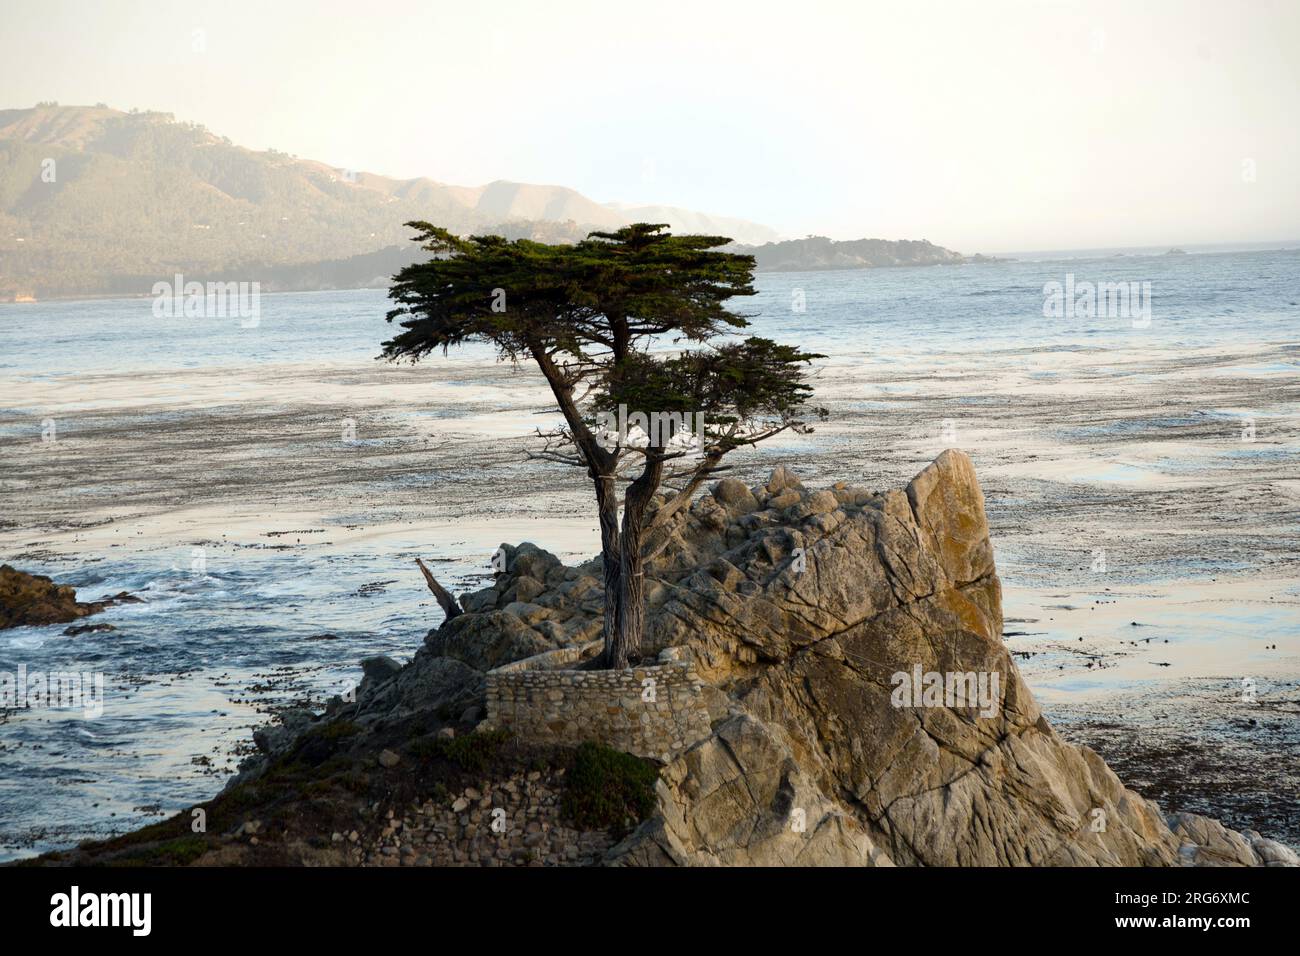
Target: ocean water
1195, 300
217, 641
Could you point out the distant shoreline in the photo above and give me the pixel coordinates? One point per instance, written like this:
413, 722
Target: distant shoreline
1065, 255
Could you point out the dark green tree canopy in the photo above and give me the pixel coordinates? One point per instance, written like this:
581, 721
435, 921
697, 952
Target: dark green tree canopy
607, 292
742, 388
483, 288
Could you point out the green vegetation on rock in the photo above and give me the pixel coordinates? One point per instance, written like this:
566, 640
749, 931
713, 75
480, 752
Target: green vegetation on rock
472, 752
607, 788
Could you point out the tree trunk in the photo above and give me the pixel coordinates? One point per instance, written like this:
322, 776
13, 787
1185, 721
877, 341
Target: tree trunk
601, 468
607, 508
631, 612
683, 498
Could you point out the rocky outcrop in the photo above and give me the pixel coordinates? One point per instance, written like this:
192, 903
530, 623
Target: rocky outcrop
1208, 842
819, 252
862, 707
33, 599
825, 607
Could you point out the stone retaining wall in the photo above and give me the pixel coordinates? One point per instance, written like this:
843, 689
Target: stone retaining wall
655, 711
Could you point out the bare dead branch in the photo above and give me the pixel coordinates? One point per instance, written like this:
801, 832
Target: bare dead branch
448, 603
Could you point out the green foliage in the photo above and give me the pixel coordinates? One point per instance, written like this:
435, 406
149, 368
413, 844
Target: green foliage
748, 381
605, 292
473, 753
338, 730
598, 306
483, 288
179, 852
245, 795
608, 789
818, 252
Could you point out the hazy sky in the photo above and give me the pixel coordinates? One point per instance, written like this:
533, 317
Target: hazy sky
983, 126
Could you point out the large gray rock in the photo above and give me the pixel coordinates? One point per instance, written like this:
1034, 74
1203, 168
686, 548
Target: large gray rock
735, 496
804, 625
443, 685
783, 479
276, 738
1208, 842
806, 615
487, 640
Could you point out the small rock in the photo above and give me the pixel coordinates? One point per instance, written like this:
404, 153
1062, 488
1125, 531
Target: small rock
379, 669
87, 629
782, 479
784, 500
733, 495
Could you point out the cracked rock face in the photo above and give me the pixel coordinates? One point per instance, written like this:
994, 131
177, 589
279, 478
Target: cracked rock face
864, 710
741, 799
807, 618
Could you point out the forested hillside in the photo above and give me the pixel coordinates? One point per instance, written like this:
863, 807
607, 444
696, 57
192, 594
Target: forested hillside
97, 201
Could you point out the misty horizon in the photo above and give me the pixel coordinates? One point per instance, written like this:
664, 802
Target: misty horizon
1209, 247
1019, 127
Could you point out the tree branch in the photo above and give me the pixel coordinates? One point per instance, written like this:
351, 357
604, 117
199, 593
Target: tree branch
448, 603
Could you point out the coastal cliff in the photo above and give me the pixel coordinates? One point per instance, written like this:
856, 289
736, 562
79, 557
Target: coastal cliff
823, 682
